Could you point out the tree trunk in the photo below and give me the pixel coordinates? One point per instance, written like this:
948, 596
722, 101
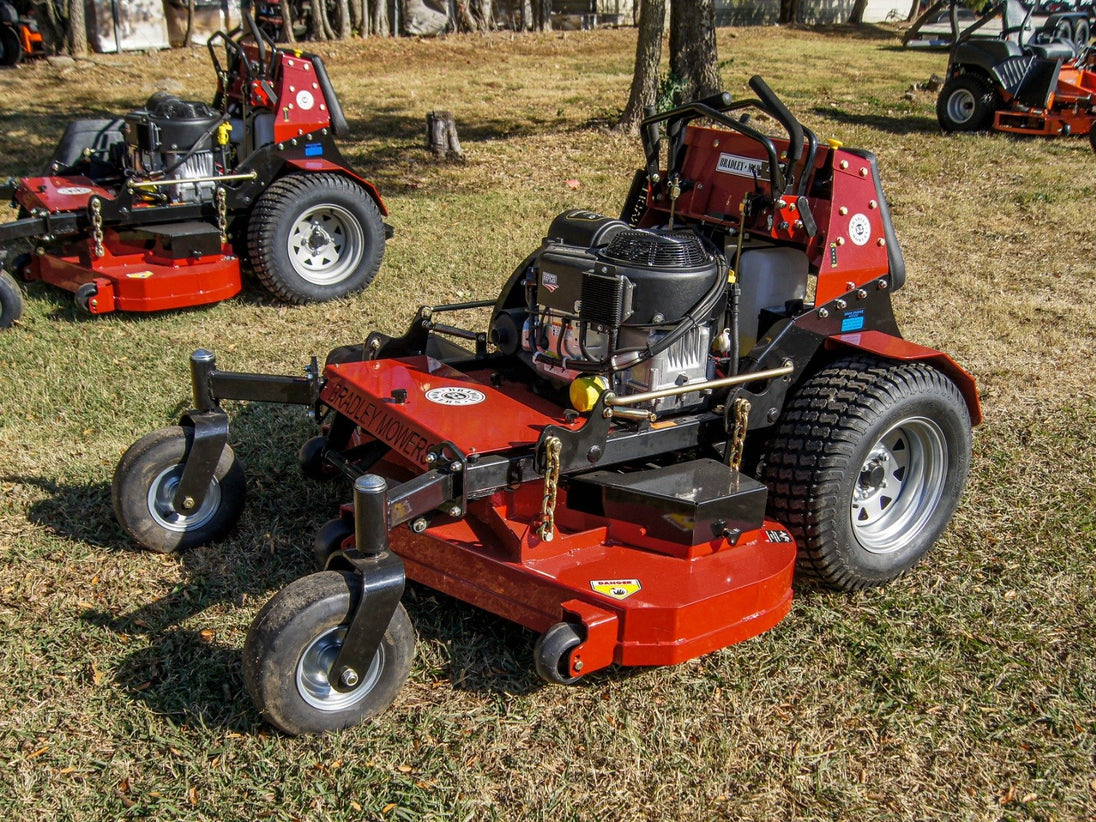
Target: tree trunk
319, 25
542, 15
378, 14
441, 136
693, 58
484, 13
464, 21
189, 22
344, 30
357, 18
53, 29
789, 12
856, 17
78, 28
287, 22
652, 19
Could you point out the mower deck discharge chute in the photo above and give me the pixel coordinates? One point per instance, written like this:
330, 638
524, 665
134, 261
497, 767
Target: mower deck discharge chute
1026, 81
151, 211
663, 411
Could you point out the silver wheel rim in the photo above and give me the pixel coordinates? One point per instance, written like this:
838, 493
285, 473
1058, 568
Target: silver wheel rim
163, 511
326, 244
314, 668
961, 105
899, 486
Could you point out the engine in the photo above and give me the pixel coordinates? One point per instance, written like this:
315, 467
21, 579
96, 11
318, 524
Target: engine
173, 139
634, 307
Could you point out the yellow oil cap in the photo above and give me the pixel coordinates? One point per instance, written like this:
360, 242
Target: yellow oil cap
586, 390
834, 143
223, 130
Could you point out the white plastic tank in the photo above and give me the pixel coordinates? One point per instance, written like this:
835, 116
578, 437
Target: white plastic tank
768, 277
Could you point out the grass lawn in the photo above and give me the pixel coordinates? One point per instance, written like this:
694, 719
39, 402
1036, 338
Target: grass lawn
965, 691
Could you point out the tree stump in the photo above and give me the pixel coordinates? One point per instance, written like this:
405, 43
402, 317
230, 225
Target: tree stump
441, 136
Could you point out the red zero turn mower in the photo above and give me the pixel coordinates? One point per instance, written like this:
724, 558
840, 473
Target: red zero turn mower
137, 214
1026, 81
664, 409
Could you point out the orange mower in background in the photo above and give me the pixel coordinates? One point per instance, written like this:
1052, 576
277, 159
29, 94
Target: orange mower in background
19, 34
1027, 80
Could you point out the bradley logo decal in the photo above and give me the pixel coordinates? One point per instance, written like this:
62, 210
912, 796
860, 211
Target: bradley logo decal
616, 588
455, 395
740, 166
378, 422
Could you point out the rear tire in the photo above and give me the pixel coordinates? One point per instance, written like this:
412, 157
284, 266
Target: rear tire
866, 468
315, 237
966, 103
1092, 137
293, 643
11, 301
144, 485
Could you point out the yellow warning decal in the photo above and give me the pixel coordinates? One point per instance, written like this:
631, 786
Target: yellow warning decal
616, 588
139, 275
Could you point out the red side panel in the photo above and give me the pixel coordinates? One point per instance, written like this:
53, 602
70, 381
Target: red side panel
58, 193
302, 108
895, 348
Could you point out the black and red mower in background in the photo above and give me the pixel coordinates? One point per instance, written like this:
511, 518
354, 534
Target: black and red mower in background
1027, 80
152, 211
660, 414
19, 34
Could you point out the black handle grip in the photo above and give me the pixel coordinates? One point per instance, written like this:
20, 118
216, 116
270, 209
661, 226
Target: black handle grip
718, 101
781, 113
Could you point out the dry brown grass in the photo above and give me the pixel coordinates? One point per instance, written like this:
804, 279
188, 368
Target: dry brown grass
964, 692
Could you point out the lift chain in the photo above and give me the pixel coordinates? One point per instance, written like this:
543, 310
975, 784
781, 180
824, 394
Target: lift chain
552, 448
738, 433
222, 214
97, 226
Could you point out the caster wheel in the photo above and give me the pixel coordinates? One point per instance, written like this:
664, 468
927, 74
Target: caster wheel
311, 460
294, 642
84, 295
552, 653
330, 538
144, 487
11, 301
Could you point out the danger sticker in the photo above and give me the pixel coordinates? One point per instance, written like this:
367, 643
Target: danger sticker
455, 395
741, 166
616, 588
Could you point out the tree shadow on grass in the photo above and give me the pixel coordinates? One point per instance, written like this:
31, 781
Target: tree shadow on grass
908, 124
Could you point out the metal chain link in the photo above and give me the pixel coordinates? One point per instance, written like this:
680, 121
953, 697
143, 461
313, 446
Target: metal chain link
738, 433
552, 448
97, 226
222, 215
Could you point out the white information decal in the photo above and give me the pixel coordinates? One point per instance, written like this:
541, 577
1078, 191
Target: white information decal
305, 100
73, 191
743, 166
455, 395
859, 229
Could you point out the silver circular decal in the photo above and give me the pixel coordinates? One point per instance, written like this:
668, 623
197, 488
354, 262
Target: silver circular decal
455, 395
859, 229
73, 191
305, 101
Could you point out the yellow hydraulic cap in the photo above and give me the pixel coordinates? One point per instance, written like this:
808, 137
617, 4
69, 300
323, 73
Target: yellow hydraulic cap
585, 391
223, 130
834, 143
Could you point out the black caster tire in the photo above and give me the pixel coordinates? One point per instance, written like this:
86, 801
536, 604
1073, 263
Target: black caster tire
11, 50
145, 482
315, 237
966, 103
552, 653
1092, 137
293, 643
11, 301
330, 538
83, 297
866, 468
311, 460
